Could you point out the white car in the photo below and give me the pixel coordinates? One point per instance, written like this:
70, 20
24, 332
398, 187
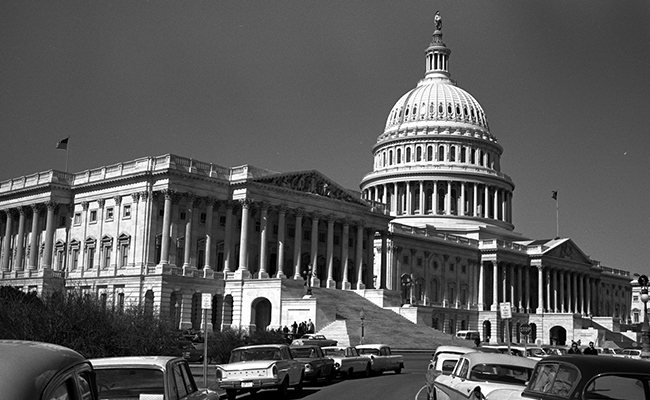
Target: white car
477, 374
265, 366
381, 358
152, 378
347, 360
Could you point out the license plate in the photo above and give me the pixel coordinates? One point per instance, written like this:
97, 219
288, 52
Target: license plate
247, 384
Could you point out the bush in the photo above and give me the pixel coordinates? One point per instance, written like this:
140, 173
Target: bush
220, 344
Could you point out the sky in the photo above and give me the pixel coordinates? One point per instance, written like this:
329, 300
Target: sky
307, 85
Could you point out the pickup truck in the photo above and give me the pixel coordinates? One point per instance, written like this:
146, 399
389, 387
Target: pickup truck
381, 358
317, 365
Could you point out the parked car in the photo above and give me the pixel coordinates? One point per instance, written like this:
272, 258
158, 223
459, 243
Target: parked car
190, 351
381, 358
477, 374
577, 377
347, 360
605, 351
555, 350
151, 377
468, 335
317, 365
44, 371
443, 361
631, 353
252, 368
311, 338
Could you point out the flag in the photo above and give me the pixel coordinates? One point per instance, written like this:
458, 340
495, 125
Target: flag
63, 144
554, 195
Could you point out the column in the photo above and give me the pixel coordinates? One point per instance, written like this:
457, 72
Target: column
448, 199
481, 282
540, 290
329, 255
486, 201
370, 258
528, 297
262, 274
359, 255
188, 230
49, 234
549, 306
513, 279
227, 238
574, 283
20, 240
495, 287
33, 240
315, 280
583, 297
462, 199
297, 246
555, 294
561, 295
6, 245
495, 207
282, 221
518, 270
166, 228
242, 270
588, 284
421, 199
383, 260
209, 216
345, 240
475, 200
393, 200
434, 200
569, 292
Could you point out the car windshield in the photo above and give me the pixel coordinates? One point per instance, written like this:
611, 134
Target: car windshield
512, 374
369, 351
129, 383
554, 379
264, 353
334, 352
304, 352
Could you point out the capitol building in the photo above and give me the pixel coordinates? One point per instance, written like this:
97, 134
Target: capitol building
429, 234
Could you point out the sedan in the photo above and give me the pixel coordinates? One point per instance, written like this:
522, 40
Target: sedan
476, 375
348, 361
320, 340
579, 377
159, 378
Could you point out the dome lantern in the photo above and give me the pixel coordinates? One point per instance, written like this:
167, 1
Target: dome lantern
437, 54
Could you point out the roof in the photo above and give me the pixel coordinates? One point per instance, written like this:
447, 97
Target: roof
257, 346
497, 358
371, 346
454, 349
596, 364
127, 362
26, 367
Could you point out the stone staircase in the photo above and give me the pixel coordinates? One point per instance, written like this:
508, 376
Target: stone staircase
338, 317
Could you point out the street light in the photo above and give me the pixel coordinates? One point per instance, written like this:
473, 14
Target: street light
307, 278
645, 329
362, 315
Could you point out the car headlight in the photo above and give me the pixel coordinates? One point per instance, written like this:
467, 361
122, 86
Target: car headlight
337, 365
308, 367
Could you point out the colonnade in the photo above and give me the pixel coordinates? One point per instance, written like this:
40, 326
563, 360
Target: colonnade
434, 197
13, 257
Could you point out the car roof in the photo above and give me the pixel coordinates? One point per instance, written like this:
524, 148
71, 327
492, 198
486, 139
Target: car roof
595, 365
454, 349
497, 358
371, 346
256, 346
26, 367
336, 347
129, 362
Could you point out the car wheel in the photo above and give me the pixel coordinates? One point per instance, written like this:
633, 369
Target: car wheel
398, 370
299, 386
284, 388
231, 394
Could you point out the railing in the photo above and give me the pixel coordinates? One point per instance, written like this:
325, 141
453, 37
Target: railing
431, 232
426, 168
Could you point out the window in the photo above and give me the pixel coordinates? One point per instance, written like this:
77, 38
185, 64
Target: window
183, 215
126, 211
222, 221
405, 259
120, 301
90, 252
77, 218
616, 387
109, 214
124, 244
107, 247
93, 216
203, 218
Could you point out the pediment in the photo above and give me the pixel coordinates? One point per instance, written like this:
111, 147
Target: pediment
312, 182
567, 250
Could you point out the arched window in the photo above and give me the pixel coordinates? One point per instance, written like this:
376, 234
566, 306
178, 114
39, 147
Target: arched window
418, 154
390, 157
441, 153
408, 154
399, 156
463, 157
430, 153
452, 154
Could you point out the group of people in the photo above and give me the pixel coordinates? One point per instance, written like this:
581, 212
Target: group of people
575, 349
297, 330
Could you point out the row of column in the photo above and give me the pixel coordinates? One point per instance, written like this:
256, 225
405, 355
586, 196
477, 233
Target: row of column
415, 197
242, 269
21, 213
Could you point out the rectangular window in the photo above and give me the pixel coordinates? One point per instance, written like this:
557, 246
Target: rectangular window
107, 257
91, 257
321, 237
292, 231
222, 221
77, 218
109, 214
183, 216
124, 255
337, 239
405, 259
93, 216
275, 229
451, 266
419, 261
306, 235
75, 259
126, 212
203, 218
463, 269
258, 226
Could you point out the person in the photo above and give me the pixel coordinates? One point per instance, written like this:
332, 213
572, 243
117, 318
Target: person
310, 326
591, 350
574, 349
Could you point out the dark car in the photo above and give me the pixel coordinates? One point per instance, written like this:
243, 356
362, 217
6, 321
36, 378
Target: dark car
580, 377
190, 351
44, 371
317, 365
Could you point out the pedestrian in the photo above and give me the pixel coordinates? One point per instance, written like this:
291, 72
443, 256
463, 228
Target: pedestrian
310, 326
591, 350
574, 349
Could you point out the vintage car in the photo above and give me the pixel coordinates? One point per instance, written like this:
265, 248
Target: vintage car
443, 361
150, 377
347, 360
311, 338
381, 358
192, 352
578, 377
252, 368
44, 371
317, 365
477, 374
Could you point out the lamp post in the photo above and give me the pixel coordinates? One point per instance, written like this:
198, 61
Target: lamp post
307, 274
645, 329
362, 315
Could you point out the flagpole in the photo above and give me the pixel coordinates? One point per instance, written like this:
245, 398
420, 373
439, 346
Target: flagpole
557, 216
67, 152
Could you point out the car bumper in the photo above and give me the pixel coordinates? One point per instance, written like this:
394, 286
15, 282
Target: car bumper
250, 384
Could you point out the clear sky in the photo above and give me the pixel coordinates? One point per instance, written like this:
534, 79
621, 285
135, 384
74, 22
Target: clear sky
308, 84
